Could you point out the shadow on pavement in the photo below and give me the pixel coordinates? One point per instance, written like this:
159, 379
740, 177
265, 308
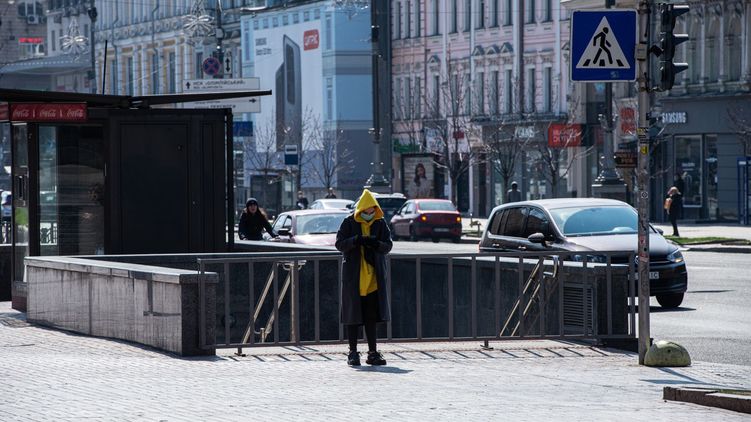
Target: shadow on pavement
660, 309
385, 369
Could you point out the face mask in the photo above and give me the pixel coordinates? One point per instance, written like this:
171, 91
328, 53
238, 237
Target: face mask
367, 217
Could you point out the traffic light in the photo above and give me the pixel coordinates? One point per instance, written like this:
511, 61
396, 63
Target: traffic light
668, 42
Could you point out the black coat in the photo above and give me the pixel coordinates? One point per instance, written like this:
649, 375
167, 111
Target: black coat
350, 292
676, 206
251, 226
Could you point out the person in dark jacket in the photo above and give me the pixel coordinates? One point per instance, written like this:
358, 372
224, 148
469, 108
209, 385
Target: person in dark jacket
513, 194
302, 201
253, 221
331, 194
674, 207
364, 240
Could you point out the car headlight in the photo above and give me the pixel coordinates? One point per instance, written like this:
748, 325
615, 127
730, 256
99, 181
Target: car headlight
599, 259
676, 256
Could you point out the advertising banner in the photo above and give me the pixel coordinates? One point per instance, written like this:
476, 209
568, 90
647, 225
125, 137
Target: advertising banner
419, 176
286, 55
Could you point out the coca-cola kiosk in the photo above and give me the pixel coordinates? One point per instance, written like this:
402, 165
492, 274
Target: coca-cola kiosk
103, 174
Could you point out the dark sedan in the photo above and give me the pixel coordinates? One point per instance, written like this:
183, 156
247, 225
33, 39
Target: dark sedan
588, 226
434, 219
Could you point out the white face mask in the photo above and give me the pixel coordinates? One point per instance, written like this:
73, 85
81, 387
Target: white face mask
367, 217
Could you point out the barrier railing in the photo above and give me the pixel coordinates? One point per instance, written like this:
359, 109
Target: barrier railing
435, 297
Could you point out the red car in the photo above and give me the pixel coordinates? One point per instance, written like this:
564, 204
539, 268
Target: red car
427, 218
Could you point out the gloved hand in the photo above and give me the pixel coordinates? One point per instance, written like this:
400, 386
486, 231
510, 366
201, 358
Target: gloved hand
370, 241
357, 240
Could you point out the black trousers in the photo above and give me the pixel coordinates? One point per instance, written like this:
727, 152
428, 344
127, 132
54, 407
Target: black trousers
674, 221
370, 317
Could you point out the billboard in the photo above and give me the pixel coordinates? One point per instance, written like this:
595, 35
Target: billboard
284, 51
419, 176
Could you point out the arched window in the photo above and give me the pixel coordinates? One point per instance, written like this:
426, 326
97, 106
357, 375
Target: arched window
733, 45
713, 45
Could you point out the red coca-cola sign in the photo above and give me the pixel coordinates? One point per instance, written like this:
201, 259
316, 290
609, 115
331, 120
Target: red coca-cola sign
564, 135
4, 112
48, 112
310, 39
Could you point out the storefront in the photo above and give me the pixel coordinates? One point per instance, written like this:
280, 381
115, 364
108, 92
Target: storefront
699, 154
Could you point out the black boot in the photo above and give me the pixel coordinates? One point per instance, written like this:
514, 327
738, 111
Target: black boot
375, 358
353, 359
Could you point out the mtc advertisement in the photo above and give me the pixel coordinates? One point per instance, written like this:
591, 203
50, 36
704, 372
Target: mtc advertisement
284, 50
419, 176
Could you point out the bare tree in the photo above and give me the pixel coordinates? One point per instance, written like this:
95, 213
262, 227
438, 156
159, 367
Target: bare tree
556, 161
740, 121
331, 150
263, 157
449, 122
504, 150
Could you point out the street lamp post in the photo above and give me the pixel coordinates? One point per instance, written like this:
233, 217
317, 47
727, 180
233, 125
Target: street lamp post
92, 73
219, 39
377, 181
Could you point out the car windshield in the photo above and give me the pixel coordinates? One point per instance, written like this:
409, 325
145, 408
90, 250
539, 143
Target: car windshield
436, 206
319, 223
592, 221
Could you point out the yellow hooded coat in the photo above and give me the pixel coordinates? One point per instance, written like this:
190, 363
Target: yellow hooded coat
368, 282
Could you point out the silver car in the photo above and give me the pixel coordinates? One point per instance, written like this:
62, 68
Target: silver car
589, 226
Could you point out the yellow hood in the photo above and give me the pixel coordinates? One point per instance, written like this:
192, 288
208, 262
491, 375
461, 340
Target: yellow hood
366, 201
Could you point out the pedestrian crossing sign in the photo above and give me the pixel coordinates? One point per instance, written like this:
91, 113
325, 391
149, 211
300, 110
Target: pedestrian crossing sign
603, 45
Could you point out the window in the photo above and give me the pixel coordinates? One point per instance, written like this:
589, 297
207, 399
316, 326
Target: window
480, 93
494, 92
436, 28
498, 222
508, 16
129, 75
547, 11
408, 19
467, 15
537, 222
547, 89
328, 31
530, 82
154, 73
689, 161
418, 98
398, 99
494, 13
514, 226
529, 11
199, 61
480, 14
53, 43
114, 83
329, 98
454, 16
467, 94
418, 20
171, 79
508, 91
436, 95
407, 97
398, 22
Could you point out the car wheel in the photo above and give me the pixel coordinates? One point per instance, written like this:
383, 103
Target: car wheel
670, 301
412, 234
456, 239
436, 239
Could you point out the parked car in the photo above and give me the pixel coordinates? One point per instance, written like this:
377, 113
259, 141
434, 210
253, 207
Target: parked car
308, 227
589, 226
435, 219
330, 204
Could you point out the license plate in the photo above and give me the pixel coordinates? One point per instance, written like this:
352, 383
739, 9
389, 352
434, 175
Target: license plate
441, 229
653, 275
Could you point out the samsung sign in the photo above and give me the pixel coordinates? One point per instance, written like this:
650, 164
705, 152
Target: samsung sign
674, 117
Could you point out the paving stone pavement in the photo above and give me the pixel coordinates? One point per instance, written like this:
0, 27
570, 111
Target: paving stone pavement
53, 375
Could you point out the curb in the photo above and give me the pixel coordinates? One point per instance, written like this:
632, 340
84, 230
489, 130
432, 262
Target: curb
721, 249
709, 397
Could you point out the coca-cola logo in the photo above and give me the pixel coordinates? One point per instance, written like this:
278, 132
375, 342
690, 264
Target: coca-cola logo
310, 39
21, 113
75, 113
48, 112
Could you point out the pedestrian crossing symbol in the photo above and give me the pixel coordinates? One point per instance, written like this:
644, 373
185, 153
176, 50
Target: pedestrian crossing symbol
603, 45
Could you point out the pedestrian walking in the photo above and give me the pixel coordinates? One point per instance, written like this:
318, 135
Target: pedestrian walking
513, 194
302, 201
331, 194
674, 206
253, 221
364, 240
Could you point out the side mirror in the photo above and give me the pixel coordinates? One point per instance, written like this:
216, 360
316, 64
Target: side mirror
284, 232
659, 230
537, 238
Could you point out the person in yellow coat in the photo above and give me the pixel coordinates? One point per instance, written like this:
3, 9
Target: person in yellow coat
364, 240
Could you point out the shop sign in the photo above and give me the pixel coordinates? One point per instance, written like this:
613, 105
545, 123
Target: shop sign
674, 117
4, 112
31, 40
525, 132
564, 135
628, 120
310, 39
48, 112
625, 159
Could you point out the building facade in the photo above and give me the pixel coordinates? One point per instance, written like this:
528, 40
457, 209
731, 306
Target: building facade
474, 79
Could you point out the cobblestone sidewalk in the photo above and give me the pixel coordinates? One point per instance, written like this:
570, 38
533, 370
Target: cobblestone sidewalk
49, 374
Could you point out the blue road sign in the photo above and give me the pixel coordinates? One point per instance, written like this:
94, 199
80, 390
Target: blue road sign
603, 45
211, 66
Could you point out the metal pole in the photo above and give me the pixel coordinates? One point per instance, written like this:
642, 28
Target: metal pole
642, 57
377, 181
219, 39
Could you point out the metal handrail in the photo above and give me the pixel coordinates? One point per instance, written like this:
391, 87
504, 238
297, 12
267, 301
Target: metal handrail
539, 286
